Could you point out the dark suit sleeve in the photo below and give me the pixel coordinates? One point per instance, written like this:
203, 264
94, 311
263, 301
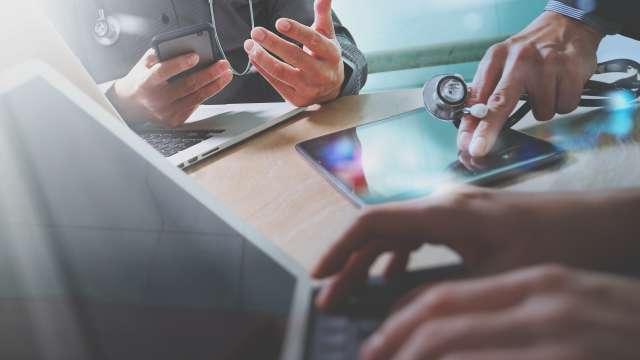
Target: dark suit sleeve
608, 16
355, 62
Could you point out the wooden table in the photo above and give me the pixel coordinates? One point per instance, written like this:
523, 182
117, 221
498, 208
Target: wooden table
271, 187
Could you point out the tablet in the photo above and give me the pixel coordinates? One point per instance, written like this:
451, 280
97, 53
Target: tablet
410, 155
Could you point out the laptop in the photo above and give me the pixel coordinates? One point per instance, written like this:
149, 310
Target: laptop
213, 128
112, 253
210, 130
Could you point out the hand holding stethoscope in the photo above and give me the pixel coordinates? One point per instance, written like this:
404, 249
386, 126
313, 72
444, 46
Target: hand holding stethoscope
446, 96
550, 61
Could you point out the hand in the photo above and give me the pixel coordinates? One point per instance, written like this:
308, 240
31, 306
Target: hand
550, 60
311, 75
492, 231
145, 93
546, 312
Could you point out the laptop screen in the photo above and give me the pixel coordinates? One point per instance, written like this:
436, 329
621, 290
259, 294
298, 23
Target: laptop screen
104, 257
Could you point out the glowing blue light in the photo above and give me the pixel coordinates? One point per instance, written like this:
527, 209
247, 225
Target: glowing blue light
343, 148
621, 100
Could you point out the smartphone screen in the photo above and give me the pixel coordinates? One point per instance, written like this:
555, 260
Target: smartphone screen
412, 154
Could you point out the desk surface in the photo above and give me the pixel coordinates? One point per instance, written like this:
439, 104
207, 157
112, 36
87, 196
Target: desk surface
270, 186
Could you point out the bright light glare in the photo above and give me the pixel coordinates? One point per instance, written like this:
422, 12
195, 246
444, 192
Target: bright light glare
621, 100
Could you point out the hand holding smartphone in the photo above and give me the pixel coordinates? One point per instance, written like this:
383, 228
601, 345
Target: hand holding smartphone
197, 39
166, 86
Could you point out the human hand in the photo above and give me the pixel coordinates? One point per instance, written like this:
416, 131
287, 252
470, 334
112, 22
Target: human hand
545, 312
303, 76
550, 60
492, 231
145, 93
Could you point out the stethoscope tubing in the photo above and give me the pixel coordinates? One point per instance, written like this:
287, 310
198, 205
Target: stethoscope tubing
600, 93
218, 42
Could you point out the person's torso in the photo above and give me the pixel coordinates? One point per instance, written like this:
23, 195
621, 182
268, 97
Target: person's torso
140, 20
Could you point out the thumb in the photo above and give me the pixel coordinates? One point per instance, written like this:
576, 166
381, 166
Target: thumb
149, 59
323, 18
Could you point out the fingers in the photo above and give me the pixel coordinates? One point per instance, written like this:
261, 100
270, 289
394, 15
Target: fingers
468, 162
485, 80
149, 58
354, 253
456, 299
542, 87
355, 274
406, 227
571, 85
488, 74
274, 67
320, 45
404, 224
285, 90
303, 76
299, 75
194, 82
163, 71
285, 50
467, 127
323, 19
188, 104
501, 103
436, 339
569, 93
546, 351
397, 265
206, 92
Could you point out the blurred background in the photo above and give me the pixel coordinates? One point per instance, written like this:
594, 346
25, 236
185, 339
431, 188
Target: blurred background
409, 41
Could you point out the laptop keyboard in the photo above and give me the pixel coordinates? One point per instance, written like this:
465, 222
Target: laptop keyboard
171, 142
339, 337
340, 334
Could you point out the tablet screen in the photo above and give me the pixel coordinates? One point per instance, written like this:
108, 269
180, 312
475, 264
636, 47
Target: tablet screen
411, 155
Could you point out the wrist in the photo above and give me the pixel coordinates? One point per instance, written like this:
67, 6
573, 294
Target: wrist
575, 29
117, 95
584, 12
336, 88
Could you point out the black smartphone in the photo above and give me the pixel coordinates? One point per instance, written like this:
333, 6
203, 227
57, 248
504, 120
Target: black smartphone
199, 39
412, 154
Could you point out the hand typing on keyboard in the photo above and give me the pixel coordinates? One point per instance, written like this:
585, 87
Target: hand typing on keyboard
537, 312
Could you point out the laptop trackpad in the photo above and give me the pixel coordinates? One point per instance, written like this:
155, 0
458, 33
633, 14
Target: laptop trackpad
230, 123
235, 119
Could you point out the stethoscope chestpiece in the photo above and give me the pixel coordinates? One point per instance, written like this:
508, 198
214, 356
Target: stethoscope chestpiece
445, 95
106, 30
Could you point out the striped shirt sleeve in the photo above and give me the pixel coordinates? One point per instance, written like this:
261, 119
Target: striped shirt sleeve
583, 12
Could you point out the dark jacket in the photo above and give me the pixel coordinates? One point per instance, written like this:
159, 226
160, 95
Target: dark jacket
140, 20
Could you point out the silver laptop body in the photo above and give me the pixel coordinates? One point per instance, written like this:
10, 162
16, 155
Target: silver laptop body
109, 252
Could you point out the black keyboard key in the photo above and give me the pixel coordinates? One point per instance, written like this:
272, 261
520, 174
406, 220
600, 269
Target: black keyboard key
366, 328
171, 142
340, 337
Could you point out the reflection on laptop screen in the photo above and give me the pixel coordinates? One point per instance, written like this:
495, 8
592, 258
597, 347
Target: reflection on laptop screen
104, 257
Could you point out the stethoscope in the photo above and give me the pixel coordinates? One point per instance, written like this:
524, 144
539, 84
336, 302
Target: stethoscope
445, 96
107, 31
